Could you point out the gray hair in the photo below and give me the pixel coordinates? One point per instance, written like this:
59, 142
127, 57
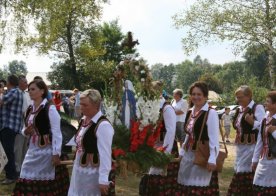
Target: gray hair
93, 95
179, 92
246, 90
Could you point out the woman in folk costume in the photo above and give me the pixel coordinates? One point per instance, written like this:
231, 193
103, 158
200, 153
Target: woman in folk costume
40, 172
194, 179
90, 175
264, 162
129, 104
157, 182
246, 121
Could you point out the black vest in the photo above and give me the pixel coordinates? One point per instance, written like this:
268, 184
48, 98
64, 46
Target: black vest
41, 124
161, 118
248, 135
89, 144
163, 131
197, 127
263, 126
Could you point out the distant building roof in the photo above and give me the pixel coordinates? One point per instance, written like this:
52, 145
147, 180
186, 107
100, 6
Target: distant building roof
30, 76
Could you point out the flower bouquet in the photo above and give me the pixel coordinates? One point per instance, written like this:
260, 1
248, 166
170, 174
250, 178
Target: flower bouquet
136, 147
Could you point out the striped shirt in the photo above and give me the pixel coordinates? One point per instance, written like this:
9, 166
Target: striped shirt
11, 110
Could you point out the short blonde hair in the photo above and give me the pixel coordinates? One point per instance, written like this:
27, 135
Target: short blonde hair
179, 92
246, 90
93, 95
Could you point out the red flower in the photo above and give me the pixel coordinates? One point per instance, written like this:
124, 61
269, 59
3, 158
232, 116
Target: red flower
143, 134
118, 152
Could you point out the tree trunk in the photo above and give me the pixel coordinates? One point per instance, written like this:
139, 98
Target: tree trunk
272, 69
73, 64
271, 63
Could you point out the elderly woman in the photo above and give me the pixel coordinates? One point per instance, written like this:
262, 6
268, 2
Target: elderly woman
246, 121
156, 182
40, 173
200, 118
180, 106
264, 161
93, 157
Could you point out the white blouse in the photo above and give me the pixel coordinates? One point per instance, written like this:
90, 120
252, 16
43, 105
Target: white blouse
170, 124
213, 134
259, 145
104, 135
54, 118
37, 164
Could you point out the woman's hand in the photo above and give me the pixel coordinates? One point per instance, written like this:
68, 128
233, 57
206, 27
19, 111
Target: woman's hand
211, 167
254, 166
271, 129
29, 130
104, 189
55, 160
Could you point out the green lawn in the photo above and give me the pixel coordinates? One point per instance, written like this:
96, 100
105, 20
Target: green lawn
129, 186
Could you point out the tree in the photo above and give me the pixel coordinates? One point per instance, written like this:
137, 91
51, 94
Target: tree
212, 82
256, 58
61, 27
166, 74
187, 73
112, 38
17, 67
246, 22
230, 73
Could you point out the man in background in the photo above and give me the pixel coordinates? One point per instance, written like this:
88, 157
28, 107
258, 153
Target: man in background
77, 104
11, 124
21, 142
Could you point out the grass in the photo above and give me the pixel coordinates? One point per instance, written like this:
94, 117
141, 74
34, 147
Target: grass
129, 186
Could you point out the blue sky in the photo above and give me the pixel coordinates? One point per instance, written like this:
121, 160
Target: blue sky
151, 23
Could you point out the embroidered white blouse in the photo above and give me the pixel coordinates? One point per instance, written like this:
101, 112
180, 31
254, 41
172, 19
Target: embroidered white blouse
37, 164
213, 134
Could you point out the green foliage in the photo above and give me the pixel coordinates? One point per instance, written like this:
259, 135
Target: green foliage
121, 138
112, 38
165, 73
97, 57
213, 83
61, 27
61, 76
145, 156
245, 22
187, 73
17, 68
257, 63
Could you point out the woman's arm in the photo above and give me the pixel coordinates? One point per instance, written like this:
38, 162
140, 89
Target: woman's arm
104, 135
55, 130
213, 134
170, 124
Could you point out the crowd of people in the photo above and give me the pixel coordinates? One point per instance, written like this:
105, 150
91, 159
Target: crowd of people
31, 137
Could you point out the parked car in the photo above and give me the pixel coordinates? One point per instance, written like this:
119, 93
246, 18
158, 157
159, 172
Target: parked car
232, 111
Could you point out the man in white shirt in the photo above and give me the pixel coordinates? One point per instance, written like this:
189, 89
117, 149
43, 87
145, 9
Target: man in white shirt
181, 107
226, 123
77, 104
21, 142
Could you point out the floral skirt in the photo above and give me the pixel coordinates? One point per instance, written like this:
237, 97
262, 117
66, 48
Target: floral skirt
157, 185
241, 184
57, 187
212, 189
264, 191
